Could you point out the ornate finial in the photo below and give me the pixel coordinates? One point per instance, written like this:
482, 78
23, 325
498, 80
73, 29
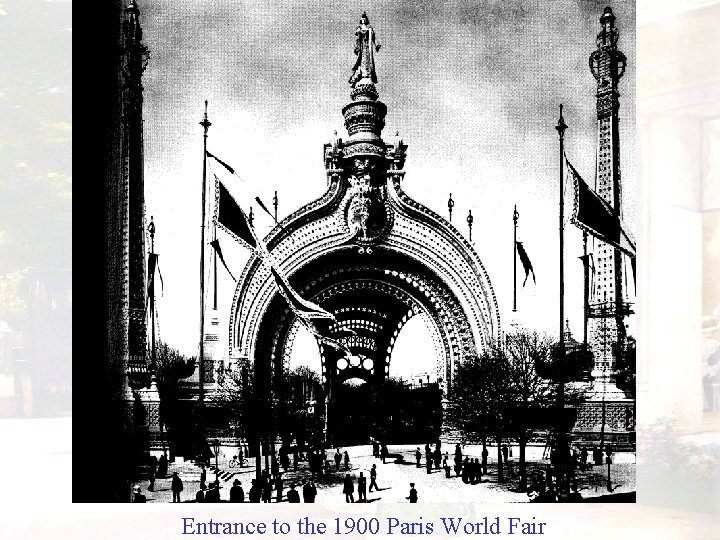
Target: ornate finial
469, 220
561, 126
205, 122
366, 45
516, 215
607, 16
251, 217
151, 228
275, 204
451, 204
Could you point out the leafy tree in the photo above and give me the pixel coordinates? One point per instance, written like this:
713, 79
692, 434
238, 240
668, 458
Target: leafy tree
530, 393
481, 396
171, 366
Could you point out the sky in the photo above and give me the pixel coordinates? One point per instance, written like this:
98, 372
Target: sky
473, 88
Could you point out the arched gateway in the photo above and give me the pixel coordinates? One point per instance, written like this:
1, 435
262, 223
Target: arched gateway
369, 254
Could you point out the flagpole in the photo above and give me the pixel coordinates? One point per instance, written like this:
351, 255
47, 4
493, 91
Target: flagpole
562, 456
515, 220
205, 124
153, 366
586, 287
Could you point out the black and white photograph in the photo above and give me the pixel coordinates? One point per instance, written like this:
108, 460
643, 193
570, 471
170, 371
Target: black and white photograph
379, 253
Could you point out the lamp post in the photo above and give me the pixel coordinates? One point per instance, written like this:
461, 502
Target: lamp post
216, 448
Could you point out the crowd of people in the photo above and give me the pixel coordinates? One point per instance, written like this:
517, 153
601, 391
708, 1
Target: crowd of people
271, 484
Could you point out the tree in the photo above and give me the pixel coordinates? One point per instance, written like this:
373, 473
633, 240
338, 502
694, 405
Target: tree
481, 396
171, 366
235, 394
530, 393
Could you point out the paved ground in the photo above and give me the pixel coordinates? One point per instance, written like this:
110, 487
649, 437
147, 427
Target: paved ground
394, 479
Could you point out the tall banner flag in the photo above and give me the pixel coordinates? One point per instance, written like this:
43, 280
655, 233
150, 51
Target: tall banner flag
593, 214
153, 264
233, 220
216, 246
527, 265
232, 171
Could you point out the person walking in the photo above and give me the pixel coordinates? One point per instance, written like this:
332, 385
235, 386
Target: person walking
583, 456
418, 455
309, 492
384, 452
293, 496
200, 494
346, 459
177, 486
376, 449
139, 497
255, 493
373, 479
413, 497
484, 460
266, 489
362, 488
466, 470
437, 456
237, 494
349, 489
213, 494
338, 459
279, 487
446, 466
504, 450
428, 459
203, 474
162, 466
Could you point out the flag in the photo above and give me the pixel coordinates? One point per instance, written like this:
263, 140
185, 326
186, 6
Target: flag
231, 218
232, 171
593, 214
216, 246
525, 262
301, 307
152, 266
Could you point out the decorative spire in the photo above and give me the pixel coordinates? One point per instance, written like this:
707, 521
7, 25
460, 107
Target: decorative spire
366, 45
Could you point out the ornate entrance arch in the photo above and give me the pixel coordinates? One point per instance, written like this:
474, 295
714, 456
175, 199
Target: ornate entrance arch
372, 256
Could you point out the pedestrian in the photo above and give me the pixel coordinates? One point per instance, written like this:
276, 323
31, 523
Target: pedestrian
200, 495
162, 466
139, 497
338, 459
466, 470
505, 453
293, 496
279, 487
274, 467
267, 490
237, 494
241, 457
349, 489
284, 458
213, 494
203, 474
583, 456
597, 455
428, 459
362, 487
177, 486
151, 487
413, 497
478, 471
418, 455
384, 452
373, 478
255, 493
346, 458
446, 466
309, 492
436, 456
376, 449
484, 459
